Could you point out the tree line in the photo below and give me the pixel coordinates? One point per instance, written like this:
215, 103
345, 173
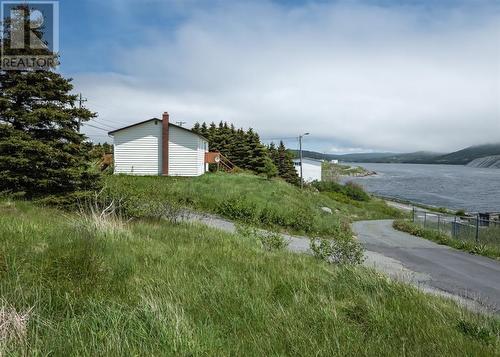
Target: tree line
245, 150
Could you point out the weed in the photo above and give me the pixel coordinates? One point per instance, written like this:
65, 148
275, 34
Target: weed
270, 241
337, 251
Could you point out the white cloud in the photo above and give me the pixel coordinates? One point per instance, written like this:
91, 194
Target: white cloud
387, 78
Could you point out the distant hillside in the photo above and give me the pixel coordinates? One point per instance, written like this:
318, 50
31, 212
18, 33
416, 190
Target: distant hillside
488, 162
382, 157
419, 157
361, 157
461, 157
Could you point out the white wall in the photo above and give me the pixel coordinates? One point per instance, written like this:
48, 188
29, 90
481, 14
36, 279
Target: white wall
311, 169
186, 154
137, 150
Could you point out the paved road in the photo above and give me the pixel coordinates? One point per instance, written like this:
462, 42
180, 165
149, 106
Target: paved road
472, 280
430, 265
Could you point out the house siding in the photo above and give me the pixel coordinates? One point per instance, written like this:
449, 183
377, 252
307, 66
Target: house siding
186, 153
311, 169
137, 150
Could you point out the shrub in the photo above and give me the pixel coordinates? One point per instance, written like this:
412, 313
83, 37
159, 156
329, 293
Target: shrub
270, 241
350, 189
238, 208
270, 169
343, 250
356, 192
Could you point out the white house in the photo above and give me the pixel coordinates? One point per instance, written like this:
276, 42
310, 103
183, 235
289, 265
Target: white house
158, 147
311, 169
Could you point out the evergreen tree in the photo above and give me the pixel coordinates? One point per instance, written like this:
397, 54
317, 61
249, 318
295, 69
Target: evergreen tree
286, 169
243, 149
204, 130
273, 153
196, 128
212, 137
41, 150
270, 169
256, 153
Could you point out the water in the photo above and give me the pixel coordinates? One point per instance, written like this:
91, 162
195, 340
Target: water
450, 186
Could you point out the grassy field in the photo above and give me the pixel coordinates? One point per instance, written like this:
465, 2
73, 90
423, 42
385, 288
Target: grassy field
77, 285
490, 249
251, 199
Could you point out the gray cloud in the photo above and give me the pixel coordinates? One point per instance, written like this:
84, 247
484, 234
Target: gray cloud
386, 78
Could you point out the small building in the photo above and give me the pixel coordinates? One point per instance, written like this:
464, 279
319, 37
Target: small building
158, 147
311, 169
334, 161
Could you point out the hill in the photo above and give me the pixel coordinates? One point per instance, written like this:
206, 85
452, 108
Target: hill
245, 198
463, 157
488, 162
91, 285
460, 157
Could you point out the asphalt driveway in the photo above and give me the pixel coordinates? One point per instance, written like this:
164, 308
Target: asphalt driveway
430, 265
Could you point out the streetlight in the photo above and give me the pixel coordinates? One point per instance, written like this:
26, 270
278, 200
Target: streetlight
300, 150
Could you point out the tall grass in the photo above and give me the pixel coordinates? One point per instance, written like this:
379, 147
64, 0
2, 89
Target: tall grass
158, 288
486, 249
249, 199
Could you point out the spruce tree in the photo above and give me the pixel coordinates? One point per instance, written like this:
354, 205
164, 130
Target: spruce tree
286, 169
41, 150
196, 128
204, 130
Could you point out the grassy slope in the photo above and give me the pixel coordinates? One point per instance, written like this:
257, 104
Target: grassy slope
153, 288
253, 199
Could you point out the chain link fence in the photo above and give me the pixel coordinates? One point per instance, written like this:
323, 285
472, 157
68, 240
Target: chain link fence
475, 228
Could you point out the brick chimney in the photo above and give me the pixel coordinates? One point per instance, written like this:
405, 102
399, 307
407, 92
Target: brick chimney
164, 144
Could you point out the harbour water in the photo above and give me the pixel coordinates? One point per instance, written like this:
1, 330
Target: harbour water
451, 186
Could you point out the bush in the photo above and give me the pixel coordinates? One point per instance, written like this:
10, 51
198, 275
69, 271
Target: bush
350, 189
356, 192
270, 241
270, 169
238, 208
337, 251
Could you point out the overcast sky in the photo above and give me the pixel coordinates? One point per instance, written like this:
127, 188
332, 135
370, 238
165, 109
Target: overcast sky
357, 75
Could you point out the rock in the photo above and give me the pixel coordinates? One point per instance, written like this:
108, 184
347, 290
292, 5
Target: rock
326, 209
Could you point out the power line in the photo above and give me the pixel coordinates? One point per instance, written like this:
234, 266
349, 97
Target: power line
93, 126
114, 122
96, 122
288, 138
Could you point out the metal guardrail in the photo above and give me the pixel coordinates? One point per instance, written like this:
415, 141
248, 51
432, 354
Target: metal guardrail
467, 228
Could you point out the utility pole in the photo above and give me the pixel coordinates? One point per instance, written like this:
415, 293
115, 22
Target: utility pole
81, 100
300, 150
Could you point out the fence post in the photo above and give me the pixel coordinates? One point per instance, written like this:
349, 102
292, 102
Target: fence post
425, 218
439, 223
477, 228
413, 214
454, 230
